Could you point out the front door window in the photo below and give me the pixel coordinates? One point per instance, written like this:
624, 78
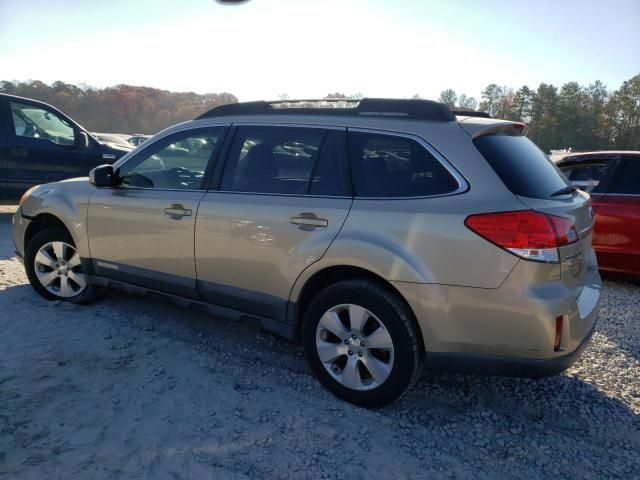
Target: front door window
35, 122
176, 162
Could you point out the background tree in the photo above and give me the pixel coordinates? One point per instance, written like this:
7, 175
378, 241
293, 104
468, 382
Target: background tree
522, 104
543, 126
448, 97
467, 103
580, 117
491, 99
121, 109
569, 115
336, 95
596, 123
624, 113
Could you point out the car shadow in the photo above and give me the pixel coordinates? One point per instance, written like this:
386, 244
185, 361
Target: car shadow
503, 416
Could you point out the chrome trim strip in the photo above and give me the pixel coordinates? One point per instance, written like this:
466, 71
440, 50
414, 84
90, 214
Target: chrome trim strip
125, 187
232, 192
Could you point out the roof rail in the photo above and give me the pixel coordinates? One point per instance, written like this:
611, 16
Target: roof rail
414, 109
471, 113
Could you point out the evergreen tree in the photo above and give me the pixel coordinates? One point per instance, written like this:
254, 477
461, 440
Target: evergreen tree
448, 97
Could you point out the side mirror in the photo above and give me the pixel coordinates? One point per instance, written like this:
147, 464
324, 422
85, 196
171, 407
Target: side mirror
82, 139
102, 176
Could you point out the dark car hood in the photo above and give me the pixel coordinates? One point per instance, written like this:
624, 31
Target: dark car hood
114, 149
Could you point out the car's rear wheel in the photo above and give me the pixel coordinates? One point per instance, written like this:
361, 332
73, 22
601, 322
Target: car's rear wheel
362, 343
54, 267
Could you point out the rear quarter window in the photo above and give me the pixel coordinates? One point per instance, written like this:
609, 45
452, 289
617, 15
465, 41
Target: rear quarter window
627, 180
521, 165
386, 165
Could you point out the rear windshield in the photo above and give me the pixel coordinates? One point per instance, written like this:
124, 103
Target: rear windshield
521, 165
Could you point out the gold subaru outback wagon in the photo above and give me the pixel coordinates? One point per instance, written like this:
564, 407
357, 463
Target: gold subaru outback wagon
384, 235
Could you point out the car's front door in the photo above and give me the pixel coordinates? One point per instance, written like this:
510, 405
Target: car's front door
617, 227
142, 231
44, 146
282, 198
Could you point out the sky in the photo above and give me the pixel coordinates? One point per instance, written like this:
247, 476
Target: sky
309, 48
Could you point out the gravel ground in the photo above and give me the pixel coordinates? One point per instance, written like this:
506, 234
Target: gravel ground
136, 388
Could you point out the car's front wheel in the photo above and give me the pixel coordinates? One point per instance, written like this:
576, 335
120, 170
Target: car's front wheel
54, 268
362, 343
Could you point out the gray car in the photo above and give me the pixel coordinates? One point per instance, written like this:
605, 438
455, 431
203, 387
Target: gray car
384, 235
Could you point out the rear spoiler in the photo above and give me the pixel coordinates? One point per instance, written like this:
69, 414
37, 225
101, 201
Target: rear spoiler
478, 127
471, 113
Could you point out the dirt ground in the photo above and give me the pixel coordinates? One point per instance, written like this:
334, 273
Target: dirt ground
136, 388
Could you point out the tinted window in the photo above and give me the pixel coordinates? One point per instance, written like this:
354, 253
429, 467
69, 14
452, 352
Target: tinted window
178, 161
521, 165
585, 176
329, 175
35, 122
628, 178
284, 160
392, 166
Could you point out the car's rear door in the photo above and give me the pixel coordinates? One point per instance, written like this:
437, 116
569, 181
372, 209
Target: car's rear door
281, 199
142, 231
617, 233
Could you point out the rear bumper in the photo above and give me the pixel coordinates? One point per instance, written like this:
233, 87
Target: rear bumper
509, 330
504, 366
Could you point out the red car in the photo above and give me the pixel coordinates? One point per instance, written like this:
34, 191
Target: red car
613, 180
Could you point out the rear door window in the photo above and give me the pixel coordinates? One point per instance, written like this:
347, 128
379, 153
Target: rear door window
627, 181
284, 160
521, 165
387, 165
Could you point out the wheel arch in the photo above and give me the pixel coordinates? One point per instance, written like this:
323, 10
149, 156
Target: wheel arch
41, 222
305, 290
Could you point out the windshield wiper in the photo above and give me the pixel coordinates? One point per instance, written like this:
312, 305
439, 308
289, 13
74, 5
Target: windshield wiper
565, 190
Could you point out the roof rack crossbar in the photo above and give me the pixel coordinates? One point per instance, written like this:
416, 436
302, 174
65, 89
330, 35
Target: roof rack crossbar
414, 109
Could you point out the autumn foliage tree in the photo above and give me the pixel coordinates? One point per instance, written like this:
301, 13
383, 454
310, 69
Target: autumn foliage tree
120, 109
577, 116
572, 116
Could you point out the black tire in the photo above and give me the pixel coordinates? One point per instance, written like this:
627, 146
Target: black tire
90, 293
397, 319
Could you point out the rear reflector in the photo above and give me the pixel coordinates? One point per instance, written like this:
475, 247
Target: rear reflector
528, 234
558, 339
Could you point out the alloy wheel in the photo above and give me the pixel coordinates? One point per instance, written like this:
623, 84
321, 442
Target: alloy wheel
354, 346
58, 268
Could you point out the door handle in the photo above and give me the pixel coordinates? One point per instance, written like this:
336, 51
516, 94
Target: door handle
19, 151
177, 211
309, 221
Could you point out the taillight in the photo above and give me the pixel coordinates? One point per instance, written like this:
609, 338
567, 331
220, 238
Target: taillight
528, 234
